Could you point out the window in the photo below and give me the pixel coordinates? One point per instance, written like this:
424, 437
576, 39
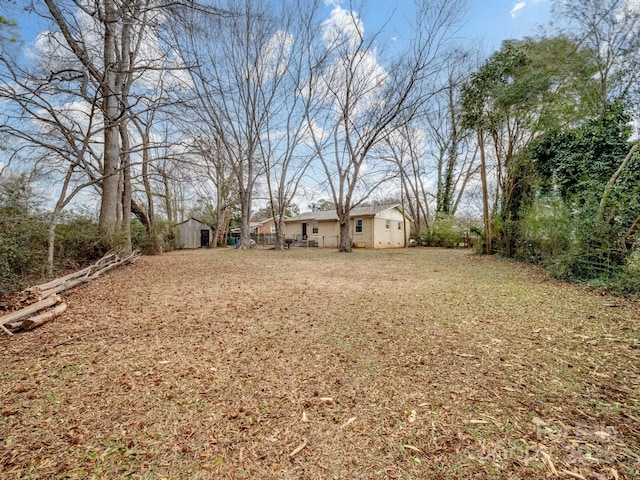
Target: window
314, 228
359, 225
273, 229
387, 224
399, 225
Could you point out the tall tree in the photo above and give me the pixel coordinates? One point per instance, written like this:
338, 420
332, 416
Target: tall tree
610, 30
355, 101
111, 45
283, 153
525, 88
235, 72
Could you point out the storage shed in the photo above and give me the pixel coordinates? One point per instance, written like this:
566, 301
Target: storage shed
193, 233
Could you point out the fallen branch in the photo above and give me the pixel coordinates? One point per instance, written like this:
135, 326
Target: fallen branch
95, 270
69, 340
46, 294
29, 310
37, 320
299, 448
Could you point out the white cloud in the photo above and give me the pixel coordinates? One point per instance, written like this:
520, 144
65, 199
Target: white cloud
515, 11
632, 6
343, 25
343, 32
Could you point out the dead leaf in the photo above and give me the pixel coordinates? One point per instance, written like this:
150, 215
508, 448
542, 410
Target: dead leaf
299, 448
411, 447
348, 422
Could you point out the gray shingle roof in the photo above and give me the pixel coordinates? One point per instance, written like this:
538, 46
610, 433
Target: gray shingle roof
326, 215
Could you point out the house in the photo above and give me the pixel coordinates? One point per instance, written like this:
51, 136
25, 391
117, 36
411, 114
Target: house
193, 233
376, 226
263, 227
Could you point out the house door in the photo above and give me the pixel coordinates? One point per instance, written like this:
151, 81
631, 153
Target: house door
304, 231
204, 238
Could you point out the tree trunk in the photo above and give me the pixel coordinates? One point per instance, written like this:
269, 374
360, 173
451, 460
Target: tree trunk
37, 320
485, 193
612, 181
126, 187
279, 244
29, 310
345, 237
108, 219
245, 225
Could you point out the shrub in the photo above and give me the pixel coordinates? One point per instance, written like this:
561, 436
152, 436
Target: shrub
23, 234
445, 232
78, 241
629, 279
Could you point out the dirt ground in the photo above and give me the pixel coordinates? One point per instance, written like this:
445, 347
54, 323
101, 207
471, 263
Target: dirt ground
309, 364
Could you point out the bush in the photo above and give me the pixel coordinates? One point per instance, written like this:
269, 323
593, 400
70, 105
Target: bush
445, 232
547, 231
572, 245
23, 234
629, 279
78, 241
148, 244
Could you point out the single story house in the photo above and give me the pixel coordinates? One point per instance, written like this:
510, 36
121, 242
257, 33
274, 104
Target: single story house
264, 227
376, 226
194, 233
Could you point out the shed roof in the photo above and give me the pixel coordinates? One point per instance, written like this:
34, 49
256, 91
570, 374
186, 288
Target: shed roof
194, 219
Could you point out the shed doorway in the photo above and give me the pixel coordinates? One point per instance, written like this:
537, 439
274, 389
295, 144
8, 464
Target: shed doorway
204, 238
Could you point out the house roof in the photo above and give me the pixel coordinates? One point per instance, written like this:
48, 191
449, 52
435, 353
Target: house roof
327, 215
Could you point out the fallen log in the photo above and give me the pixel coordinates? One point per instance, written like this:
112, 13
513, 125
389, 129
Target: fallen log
29, 310
106, 263
37, 320
46, 294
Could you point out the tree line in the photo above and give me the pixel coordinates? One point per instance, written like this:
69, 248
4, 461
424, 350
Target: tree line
154, 107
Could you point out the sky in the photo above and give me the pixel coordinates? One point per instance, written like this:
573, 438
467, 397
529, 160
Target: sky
485, 22
493, 21
488, 22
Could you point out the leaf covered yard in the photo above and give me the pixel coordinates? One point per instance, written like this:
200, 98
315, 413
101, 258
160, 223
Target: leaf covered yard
407, 364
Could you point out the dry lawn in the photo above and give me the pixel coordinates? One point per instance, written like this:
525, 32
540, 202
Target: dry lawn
309, 364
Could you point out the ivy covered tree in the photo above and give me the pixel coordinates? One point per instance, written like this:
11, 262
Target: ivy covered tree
582, 166
526, 88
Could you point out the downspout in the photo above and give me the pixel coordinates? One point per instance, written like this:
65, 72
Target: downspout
404, 228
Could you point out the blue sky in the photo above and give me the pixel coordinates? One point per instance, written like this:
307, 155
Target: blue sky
487, 21
497, 20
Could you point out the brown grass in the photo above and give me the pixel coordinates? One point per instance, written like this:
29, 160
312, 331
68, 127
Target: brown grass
306, 364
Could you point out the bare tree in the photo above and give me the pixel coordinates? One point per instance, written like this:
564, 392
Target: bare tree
235, 87
113, 47
355, 102
285, 156
55, 127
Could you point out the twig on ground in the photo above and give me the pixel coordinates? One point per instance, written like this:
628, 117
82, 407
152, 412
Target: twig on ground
69, 340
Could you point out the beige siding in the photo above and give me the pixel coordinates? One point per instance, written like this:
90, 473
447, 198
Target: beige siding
391, 237
374, 232
364, 239
328, 233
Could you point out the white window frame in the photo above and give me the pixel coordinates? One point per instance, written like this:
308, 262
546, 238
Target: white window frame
387, 224
314, 227
360, 223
